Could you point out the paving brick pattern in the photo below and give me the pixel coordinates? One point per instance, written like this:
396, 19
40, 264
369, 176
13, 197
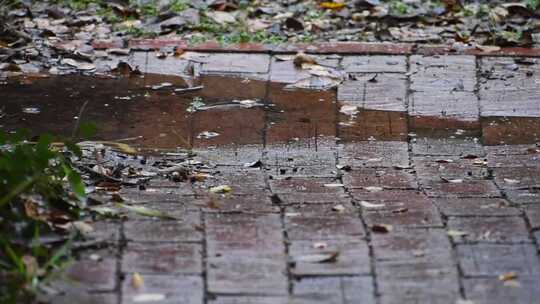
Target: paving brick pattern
421, 220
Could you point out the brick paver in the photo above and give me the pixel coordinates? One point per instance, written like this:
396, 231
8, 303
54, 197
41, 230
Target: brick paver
334, 207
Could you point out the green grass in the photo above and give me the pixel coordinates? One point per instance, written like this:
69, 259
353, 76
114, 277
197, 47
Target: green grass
36, 181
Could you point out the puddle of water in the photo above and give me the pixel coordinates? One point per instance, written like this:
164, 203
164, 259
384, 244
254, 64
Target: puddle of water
229, 110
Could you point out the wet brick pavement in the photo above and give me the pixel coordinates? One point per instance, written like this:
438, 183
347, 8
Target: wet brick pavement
413, 219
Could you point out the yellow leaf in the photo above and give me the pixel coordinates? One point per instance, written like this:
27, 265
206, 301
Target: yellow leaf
137, 281
333, 5
221, 189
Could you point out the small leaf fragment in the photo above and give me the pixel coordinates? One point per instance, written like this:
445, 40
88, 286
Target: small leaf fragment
141, 210
369, 205
508, 276
333, 5
382, 228
137, 281
456, 233
148, 297
221, 189
323, 257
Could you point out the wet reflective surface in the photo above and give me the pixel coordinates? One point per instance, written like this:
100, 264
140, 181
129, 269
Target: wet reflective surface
154, 112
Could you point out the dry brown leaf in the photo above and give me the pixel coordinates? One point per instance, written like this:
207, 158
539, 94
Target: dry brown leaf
508, 276
382, 228
301, 58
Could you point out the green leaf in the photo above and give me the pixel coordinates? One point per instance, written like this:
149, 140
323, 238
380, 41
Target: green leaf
140, 210
76, 182
74, 148
87, 129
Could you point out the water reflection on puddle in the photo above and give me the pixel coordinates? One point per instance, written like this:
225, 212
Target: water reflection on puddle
227, 110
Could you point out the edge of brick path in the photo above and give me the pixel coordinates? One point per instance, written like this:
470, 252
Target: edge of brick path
345, 48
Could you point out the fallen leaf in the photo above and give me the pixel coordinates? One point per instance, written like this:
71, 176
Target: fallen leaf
207, 135
511, 181
323, 257
301, 58
400, 210
382, 228
452, 181
349, 110
221, 189
320, 245
373, 189
369, 205
162, 85
333, 5
339, 208
488, 48
508, 276
336, 185
144, 211
456, 233
444, 161
137, 281
148, 297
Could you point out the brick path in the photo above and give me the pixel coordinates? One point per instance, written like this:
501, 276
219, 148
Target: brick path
464, 217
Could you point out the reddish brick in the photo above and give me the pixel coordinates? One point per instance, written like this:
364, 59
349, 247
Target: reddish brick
353, 258
533, 215
476, 207
94, 275
374, 154
398, 196
261, 234
510, 130
412, 245
415, 266
157, 194
374, 64
523, 197
107, 44
434, 169
156, 44
324, 228
492, 290
162, 258
231, 155
70, 292
514, 160
447, 147
321, 210
242, 299
260, 203
175, 289
490, 229
336, 290
373, 124
517, 178
497, 259
386, 94
164, 231
242, 182
229, 274
435, 289
467, 188
385, 178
